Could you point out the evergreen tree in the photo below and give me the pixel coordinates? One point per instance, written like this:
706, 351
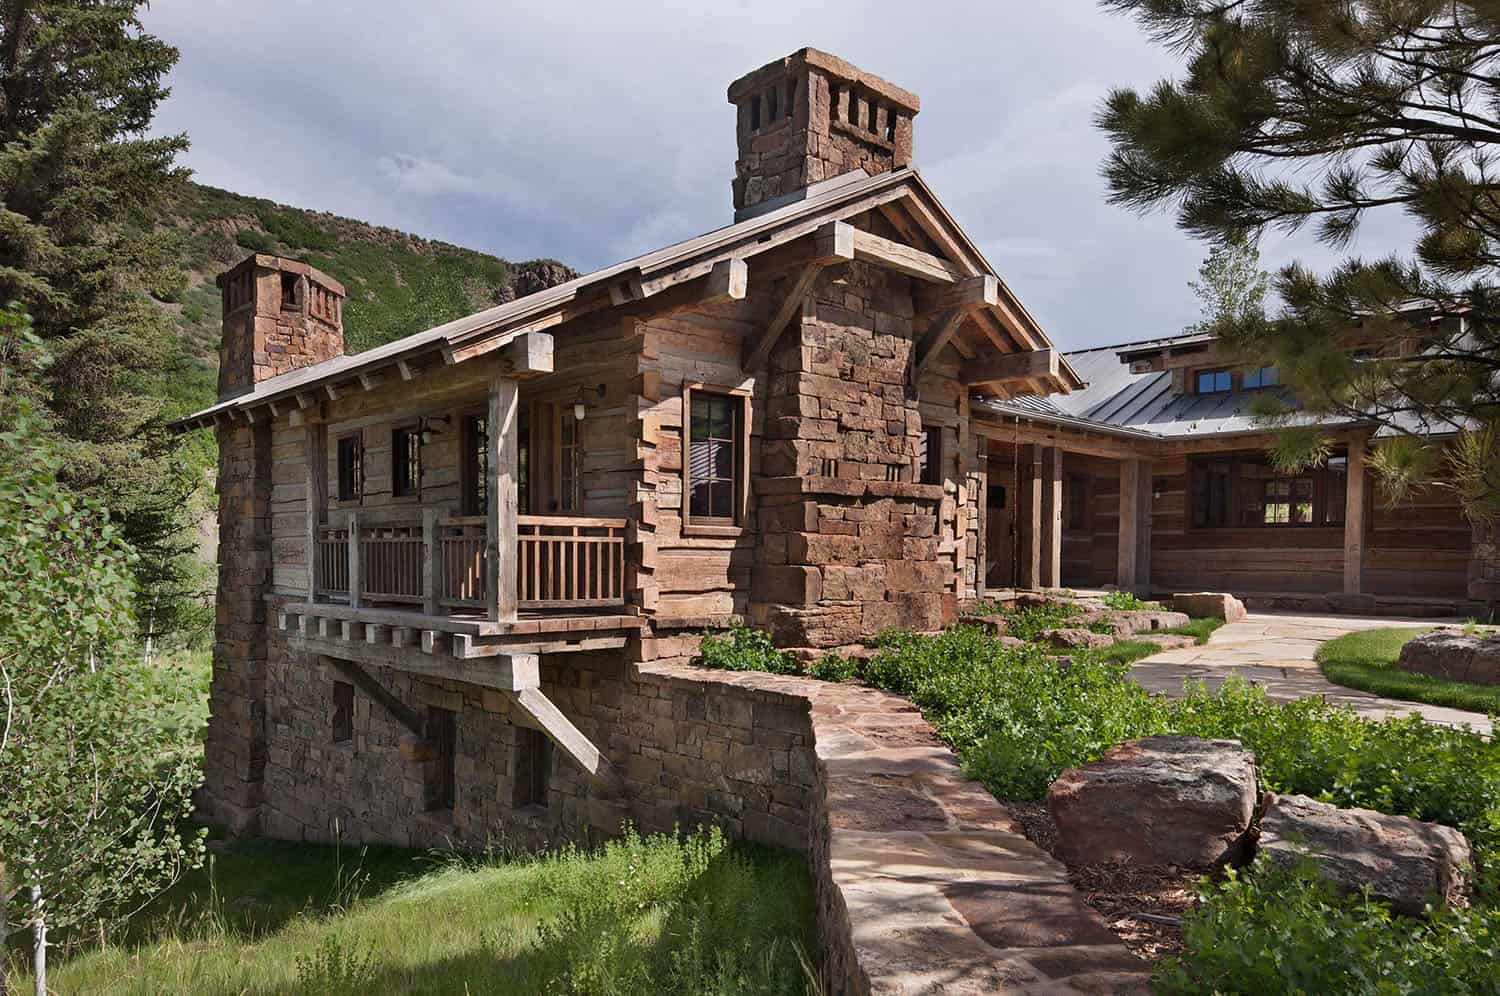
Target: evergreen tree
79, 82
1295, 114
1231, 287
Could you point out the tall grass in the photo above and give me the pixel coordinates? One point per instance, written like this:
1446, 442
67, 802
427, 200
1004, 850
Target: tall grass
641, 915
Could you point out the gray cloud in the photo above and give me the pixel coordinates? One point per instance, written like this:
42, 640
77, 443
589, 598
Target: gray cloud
591, 132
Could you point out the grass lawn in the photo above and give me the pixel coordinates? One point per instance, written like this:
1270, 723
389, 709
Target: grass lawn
1367, 660
639, 916
1199, 629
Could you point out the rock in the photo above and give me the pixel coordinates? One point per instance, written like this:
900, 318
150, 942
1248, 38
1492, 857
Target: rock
1166, 800
1168, 641
1072, 638
1209, 605
1011, 641
1146, 620
995, 625
1454, 655
1404, 861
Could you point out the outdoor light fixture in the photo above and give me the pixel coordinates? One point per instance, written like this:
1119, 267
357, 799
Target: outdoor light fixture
581, 404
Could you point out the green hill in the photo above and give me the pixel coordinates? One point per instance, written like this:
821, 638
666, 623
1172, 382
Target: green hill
397, 283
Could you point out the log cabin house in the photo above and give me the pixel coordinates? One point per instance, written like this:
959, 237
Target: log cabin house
444, 560
449, 564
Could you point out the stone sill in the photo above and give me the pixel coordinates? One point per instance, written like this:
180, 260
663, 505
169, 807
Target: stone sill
847, 488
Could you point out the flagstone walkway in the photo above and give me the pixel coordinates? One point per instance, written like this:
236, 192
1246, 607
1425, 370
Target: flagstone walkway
1275, 651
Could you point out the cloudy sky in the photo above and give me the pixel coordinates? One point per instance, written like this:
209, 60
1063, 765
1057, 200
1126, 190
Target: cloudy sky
592, 132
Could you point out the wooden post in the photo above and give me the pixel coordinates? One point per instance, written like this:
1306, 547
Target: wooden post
1126, 567
1052, 518
354, 579
431, 551
500, 504
316, 458
1354, 517
1031, 507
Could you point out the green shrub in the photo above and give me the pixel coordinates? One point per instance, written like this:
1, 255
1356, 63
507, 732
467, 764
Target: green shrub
832, 667
334, 970
1286, 931
255, 241
1123, 601
1028, 623
295, 229
741, 648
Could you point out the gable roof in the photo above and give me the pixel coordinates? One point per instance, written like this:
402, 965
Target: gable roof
646, 275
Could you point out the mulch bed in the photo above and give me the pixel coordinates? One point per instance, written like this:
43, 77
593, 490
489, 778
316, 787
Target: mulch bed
1142, 904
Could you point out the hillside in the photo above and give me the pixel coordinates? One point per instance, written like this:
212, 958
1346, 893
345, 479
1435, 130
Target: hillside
397, 283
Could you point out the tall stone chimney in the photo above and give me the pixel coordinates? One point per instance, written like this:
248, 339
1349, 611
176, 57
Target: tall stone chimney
279, 315
810, 117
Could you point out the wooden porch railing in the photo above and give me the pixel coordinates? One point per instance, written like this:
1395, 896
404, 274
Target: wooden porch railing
564, 562
570, 562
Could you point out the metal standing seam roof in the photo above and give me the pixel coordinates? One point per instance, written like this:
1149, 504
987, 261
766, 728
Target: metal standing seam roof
513, 317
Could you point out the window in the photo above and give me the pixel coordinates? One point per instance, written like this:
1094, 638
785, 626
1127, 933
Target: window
533, 767
343, 712
930, 454
772, 110
474, 471
714, 464
754, 113
1214, 381
351, 468
291, 292
1076, 498
570, 461
442, 733
406, 462
1249, 492
1262, 377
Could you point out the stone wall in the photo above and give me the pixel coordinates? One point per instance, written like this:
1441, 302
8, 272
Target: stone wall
850, 544
279, 315
1484, 563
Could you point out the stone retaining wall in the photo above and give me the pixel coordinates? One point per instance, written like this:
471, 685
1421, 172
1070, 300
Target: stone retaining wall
922, 880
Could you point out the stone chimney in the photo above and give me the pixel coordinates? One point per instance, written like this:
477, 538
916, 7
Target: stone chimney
810, 117
279, 315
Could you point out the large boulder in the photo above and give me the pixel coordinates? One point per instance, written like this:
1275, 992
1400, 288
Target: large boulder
1404, 861
1074, 638
1454, 655
1166, 800
1209, 605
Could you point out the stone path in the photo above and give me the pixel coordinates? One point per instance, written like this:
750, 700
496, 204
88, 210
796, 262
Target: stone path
1275, 651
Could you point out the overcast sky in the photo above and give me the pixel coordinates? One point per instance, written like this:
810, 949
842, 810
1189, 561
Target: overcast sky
593, 132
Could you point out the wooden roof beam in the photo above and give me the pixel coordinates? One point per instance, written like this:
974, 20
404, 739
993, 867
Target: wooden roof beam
905, 259
1013, 368
834, 243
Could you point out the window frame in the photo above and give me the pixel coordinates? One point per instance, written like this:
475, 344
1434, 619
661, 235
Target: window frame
1261, 383
342, 713
562, 455
533, 767
734, 525
1241, 489
356, 493
410, 489
1214, 372
930, 455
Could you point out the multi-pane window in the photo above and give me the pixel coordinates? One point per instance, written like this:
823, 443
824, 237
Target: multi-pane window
1249, 492
351, 468
713, 458
474, 471
1213, 381
930, 454
1262, 377
406, 462
570, 461
533, 767
343, 712
442, 733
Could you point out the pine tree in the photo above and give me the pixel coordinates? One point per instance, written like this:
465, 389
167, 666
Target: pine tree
79, 82
1292, 115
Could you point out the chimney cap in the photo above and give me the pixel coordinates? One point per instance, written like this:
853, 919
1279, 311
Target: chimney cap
847, 72
265, 261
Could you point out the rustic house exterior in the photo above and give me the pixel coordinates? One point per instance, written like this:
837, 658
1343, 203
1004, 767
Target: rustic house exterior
1155, 478
448, 564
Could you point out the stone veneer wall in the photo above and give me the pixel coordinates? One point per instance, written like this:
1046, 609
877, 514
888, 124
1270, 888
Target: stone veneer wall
264, 333
1484, 563
849, 544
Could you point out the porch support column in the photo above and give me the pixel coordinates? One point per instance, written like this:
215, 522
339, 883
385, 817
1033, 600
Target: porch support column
1029, 512
1133, 564
1354, 517
1051, 546
500, 500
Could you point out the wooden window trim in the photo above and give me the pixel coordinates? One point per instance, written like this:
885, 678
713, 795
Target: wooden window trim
564, 412
358, 498
1320, 496
735, 526
406, 497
